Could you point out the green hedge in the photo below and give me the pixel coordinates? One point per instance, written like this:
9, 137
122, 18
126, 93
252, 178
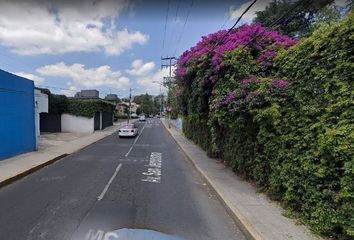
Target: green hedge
87, 108
314, 174
290, 129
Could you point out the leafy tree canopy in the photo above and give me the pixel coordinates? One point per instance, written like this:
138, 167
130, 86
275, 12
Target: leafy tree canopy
299, 20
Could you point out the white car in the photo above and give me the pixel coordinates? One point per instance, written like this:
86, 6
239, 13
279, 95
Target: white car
142, 118
129, 130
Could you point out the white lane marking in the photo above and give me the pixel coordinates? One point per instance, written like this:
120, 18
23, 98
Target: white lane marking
153, 173
100, 197
136, 139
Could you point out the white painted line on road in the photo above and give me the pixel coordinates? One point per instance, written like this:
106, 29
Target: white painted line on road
136, 139
100, 197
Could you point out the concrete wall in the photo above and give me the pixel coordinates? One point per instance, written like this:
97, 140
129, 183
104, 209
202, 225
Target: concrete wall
41, 106
177, 123
17, 115
41, 100
75, 124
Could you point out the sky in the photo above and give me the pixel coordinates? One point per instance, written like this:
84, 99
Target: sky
108, 45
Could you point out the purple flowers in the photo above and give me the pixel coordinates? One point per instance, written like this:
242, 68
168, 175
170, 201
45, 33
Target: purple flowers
255, 37
178, 92
280, 83
252, 79
252, 95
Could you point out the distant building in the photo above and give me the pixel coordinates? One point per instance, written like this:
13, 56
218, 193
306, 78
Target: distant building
111, 97
133, 109
87, 94
122, 108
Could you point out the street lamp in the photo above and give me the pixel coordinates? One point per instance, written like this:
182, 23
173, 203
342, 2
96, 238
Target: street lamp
159, 83
169, 116
130, 102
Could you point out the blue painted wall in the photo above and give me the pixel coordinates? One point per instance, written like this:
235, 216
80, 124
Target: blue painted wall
17, 120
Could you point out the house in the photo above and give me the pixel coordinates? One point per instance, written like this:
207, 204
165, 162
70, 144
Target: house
133, 109
17, 118
122, 109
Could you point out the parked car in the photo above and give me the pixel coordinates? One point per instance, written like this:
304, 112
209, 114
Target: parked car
129, 130
142, 118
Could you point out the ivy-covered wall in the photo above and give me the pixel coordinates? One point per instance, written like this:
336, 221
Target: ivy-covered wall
281, 114
59, 104
87, 108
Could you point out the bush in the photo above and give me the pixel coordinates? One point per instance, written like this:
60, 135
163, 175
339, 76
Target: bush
117, 117
317, 130
279, 116
87, 108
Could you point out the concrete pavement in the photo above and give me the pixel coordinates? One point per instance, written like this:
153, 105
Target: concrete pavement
51, 150
117, 188
258, 217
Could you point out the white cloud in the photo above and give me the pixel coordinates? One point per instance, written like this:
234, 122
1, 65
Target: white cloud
86, 77
46, 27
235, 12
139, 68
149, 83
37, 79
341, 3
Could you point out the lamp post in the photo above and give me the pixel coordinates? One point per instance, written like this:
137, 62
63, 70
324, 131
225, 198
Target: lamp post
169, 115
130, 103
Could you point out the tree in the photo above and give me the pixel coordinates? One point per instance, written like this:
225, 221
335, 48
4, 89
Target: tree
299, 20
159, 101
172, 94
328, 14
146, 103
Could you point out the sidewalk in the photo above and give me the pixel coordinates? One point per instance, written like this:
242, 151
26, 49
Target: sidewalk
49, 151
258, 217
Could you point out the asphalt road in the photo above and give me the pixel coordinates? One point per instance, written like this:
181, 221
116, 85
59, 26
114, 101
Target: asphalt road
138, 188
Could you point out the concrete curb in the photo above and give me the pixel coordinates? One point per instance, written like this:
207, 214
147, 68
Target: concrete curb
257, 217
246, 227
31, 170
49, 162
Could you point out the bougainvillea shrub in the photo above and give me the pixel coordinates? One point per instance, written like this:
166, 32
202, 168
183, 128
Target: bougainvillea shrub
280, 113
202, 67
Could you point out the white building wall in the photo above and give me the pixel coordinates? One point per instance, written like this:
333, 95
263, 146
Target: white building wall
75, 124
41, 105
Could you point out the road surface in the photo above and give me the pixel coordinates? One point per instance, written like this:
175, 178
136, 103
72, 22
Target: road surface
138, 188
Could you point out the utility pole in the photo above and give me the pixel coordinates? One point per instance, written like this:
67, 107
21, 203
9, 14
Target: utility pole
130, 103
168, 80
168, 62
160, 102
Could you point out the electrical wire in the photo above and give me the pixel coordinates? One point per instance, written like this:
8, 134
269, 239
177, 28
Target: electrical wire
184, 26
165, 29
235, 24
273, 25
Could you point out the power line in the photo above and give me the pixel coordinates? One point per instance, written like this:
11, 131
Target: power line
165, 30
273, 25
235, 24
184, 26
177, 9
